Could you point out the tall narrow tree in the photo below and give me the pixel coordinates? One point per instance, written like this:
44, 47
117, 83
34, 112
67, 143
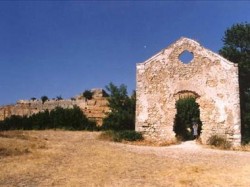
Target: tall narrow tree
122, 106
237, 49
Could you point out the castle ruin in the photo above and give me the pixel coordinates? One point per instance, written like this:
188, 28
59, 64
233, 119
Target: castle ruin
94, 109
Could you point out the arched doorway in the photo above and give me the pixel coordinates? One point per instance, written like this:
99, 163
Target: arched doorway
187, 113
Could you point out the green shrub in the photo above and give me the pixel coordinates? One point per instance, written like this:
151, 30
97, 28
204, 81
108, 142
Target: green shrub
130, 135
58, 98
107, 135
187, 111
119, 136
122, 106
246, 128
87, 94
219, 141
58, 118
44, 98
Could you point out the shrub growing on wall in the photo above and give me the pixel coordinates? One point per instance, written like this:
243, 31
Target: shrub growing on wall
87, 94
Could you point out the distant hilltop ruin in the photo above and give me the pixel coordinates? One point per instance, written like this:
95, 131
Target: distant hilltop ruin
95, 108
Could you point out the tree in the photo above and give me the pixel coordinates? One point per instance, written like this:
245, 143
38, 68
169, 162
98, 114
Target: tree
187, 112
237, 49
87, 94
122, 115
44, 99
58, 98
32, 98
68, 118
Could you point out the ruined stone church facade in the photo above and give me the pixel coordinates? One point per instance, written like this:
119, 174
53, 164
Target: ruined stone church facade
210, 78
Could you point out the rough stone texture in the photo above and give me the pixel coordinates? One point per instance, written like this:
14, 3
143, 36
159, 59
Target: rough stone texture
213, 80
95, 109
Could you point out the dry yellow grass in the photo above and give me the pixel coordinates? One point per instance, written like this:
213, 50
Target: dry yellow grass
18, 143
80, 159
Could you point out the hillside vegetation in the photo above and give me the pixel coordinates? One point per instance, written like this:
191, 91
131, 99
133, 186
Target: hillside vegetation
58, 118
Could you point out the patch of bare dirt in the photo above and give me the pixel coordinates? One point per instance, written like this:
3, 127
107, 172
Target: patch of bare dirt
80, 159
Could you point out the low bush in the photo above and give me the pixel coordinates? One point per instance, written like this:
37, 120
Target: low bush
219, 142
88, 94
107, 135
242, 148
118, 136
58, 118
129, 135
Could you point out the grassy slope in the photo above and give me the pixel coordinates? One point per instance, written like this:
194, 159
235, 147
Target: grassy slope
64, 158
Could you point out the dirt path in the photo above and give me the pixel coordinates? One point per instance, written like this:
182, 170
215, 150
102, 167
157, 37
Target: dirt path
79, 159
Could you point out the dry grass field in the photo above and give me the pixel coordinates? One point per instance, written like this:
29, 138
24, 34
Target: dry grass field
64, 158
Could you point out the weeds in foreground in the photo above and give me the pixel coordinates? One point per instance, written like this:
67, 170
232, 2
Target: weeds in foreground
219, 142
13, 143
135, 138
119, 136
242, 148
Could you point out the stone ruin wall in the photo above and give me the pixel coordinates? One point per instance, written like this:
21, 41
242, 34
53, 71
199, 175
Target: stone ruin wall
95, 109
213, 79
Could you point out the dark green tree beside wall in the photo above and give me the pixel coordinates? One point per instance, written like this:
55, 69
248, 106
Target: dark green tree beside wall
122, 106
236, 48
187, 112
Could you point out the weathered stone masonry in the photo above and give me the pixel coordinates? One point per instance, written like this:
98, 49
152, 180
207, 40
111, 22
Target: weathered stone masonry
210, 77
95, 109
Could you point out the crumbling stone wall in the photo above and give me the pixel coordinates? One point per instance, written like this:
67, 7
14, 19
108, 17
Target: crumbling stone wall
95, 109
212, 79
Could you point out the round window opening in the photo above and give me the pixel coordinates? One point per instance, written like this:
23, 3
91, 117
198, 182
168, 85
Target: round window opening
186, 57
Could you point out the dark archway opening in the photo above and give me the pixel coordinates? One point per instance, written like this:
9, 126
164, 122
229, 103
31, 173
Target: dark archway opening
188, 113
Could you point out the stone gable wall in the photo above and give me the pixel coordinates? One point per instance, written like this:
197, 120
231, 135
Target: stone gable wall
95, 109
209, 76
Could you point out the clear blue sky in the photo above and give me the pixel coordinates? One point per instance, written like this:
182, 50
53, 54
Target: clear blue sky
62, 48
